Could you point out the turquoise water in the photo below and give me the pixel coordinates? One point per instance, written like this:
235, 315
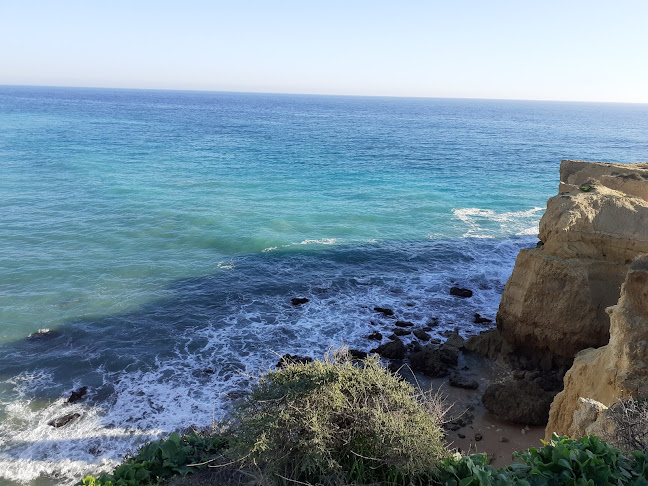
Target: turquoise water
160, 236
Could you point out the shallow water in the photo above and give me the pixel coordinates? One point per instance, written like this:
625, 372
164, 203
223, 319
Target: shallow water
161, 235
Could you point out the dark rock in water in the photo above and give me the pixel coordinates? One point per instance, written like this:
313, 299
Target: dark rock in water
404, 323
376, 336
518, 401
478, 437
287, 359
384, 311
431, 361
209, 371
435, 341
43, 334
298, 300
64, 420
460, 292
461, 436
78, 394
422, 335
401, 332
392, 350
461, 381
481, 320
449, 354
357, 354
455, 340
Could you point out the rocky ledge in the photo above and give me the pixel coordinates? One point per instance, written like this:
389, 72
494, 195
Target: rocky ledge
554, 303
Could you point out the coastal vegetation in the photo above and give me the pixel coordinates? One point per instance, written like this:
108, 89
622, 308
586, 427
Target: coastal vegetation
352, 422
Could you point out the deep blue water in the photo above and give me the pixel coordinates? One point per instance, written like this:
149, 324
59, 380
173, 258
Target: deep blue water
160, 236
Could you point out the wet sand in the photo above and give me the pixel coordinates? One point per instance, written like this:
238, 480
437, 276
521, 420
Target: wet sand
486, 433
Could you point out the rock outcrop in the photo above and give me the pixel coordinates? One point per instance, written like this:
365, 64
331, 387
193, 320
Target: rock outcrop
616, 371
554, 303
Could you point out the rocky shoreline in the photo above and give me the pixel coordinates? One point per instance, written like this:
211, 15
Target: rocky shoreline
555, 311
538, 371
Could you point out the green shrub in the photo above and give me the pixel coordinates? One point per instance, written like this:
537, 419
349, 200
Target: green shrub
161, 459
586, 461
334, 421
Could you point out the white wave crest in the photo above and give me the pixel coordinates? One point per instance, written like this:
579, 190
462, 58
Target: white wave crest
487, 223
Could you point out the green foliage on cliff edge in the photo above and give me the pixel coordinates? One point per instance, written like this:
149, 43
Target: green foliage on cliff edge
342, 423
335, 421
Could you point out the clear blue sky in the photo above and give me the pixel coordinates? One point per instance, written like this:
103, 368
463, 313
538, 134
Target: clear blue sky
536, 49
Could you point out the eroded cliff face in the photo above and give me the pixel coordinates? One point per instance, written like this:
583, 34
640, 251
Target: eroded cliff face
554, 303
616, 371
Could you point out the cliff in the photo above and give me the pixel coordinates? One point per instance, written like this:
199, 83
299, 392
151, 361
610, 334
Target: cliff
554, 303
616, 371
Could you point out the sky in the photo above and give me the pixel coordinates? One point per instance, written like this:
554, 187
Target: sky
514, 49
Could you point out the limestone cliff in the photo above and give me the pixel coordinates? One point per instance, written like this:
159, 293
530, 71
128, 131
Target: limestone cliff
554, 303
616, 371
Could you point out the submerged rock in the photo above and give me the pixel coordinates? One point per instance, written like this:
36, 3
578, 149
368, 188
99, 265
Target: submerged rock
422, 335
78, 394
299, 300
384, 311
64, 420
43, 334
481, 320
401, 332
461, 292
375, 336
357, 354
287, 359
404, 324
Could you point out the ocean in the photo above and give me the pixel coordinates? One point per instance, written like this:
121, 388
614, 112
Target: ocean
151, 242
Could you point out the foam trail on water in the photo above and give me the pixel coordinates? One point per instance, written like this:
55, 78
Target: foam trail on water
240, 330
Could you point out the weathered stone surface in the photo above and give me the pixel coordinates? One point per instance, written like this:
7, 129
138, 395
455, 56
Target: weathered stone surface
518, 401
616, 371
422, 335
554, 301
434, 361
461, 381
392, 350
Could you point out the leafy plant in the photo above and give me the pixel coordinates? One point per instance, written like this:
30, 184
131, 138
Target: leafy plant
161, 459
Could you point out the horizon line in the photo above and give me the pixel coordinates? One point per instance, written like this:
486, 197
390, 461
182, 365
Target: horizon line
188, 90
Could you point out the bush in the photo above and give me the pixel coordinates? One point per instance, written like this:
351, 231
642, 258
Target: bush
630, 420
334, 421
